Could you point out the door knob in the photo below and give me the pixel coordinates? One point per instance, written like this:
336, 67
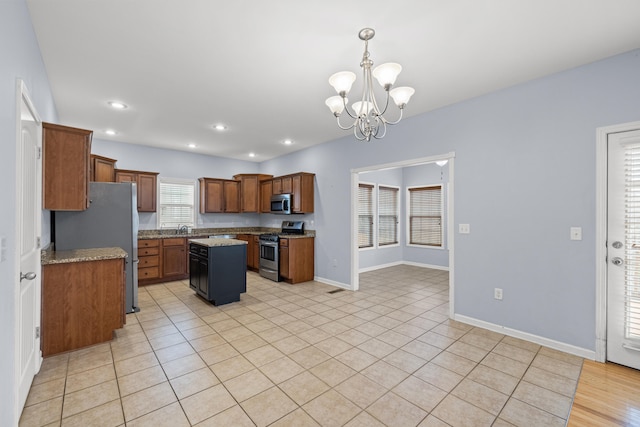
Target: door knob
616, 261
617, 245
28, 276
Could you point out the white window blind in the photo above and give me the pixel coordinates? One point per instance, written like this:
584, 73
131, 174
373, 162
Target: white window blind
365, 215
387, 215
632, 246
176, 203
425, 215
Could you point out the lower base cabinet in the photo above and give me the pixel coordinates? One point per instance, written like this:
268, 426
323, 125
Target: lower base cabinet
162, 260
297, 259
253, 250
82, 304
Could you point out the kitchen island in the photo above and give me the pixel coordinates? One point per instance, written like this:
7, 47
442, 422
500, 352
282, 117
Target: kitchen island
217, 269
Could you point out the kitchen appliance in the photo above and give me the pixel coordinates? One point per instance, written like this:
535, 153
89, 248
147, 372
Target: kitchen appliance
269, 265
281, 203
110, 221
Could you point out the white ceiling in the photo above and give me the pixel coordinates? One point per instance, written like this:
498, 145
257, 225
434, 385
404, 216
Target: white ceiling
261, 67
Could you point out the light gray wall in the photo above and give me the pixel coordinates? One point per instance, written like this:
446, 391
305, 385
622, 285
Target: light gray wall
19, 58
524, 174
429, 174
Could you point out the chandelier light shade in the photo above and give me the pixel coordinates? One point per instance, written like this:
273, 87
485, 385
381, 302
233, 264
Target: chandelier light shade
368, 118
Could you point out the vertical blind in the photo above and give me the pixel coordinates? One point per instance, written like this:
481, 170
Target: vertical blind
425, 215
177, 204
387, 216
632, 244
365, 215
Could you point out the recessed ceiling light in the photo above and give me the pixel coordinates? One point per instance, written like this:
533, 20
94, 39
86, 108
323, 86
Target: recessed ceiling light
110, 132
191, 145
219, 127
287, 142
252, 154
117, 105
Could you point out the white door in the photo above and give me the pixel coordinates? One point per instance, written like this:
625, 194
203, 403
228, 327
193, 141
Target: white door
28, 211
623, 249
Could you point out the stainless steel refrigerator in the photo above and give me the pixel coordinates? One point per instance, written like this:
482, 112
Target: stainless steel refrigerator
110, 221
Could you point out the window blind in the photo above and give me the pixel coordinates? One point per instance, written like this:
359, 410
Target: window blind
632, 244
365, 215
425, 215
387, 215
176, 203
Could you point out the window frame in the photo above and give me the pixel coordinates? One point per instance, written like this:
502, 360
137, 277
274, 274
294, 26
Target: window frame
396, 189
176, 181
442, 217
372, 187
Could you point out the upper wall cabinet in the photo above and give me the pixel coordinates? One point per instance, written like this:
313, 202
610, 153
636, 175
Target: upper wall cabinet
250, 191
66, 169
300, 185
103, 169
146, 183
219, 195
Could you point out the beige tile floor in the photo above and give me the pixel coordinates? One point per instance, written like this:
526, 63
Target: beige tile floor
298, 355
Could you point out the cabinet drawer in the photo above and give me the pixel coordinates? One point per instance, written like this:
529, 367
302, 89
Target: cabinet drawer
284, 242
148, 273
147, 251
173, 242
148, 243
148, 261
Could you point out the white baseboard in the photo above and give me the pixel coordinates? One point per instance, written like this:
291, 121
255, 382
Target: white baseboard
556, 345
333, 283
393, 264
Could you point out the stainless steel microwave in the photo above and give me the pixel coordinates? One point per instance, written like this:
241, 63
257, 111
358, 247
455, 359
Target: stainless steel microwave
281, 203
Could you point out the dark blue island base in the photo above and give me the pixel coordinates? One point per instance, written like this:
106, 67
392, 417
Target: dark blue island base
218, 269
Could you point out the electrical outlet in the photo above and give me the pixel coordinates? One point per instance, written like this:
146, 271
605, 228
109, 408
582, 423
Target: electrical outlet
576, 233
497, 293
464, 228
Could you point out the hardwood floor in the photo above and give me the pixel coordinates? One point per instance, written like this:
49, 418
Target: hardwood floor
607, 395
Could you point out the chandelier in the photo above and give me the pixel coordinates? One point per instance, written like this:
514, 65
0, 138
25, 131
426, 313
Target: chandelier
368, 117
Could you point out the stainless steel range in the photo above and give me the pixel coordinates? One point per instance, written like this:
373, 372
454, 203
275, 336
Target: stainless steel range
269, 266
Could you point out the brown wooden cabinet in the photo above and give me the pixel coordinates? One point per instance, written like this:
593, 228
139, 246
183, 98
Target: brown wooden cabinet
297, 259
146, 183
65, 167
148, 260
174, 258
219, 195
161, 260
266, 190
82, 304
250, 191
253, 250
103, 169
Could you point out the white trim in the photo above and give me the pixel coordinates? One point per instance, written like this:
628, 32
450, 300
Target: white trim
333, 283
355, 256
431, 266
411, 263
546, 342
602, 134
380, 266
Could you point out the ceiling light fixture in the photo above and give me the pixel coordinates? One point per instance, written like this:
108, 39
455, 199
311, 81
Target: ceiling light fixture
252, 154
117, 105
441, 162
191, 145
220, 127
369, 120
287, 142
110, 132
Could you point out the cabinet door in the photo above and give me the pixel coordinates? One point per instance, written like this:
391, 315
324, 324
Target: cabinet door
255, 257
194, 272
146, 192
203, 280
103, 169
125, 177
247, 238
284, 258
231, 190
250, 194
266, 190
174, 258
277, 186
287, 185
302, 189
66, 167
211, 196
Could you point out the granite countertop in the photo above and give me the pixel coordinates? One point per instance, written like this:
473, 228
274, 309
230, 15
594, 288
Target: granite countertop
206, 232
48, 257
218, 242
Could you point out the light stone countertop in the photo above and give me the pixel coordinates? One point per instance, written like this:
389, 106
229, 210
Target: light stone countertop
48, 257
217, 242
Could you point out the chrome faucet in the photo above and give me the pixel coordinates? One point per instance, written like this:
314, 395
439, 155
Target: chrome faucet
182, 229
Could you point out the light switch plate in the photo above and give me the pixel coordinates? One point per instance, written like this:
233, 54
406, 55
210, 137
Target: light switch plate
576, 233
464, 228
